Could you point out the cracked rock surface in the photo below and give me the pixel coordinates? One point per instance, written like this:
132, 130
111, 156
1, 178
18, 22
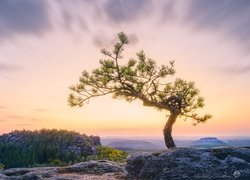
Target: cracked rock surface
101, 170
190, 163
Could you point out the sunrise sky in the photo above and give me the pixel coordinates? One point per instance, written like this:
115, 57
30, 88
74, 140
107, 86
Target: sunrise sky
45, 45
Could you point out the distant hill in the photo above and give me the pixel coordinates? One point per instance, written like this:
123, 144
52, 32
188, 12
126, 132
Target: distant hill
208, 142
134, 145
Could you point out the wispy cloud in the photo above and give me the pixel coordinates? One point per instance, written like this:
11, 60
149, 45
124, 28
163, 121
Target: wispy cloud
217, 14
73, 14
120, 11
23, 17
41, 110
15, 117
68, 20
9, 68
21, 119
168, 11
226, 17
102, 40
34, 119
237, 69
23, 124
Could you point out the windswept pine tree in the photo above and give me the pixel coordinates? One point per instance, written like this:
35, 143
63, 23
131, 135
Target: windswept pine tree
140, 79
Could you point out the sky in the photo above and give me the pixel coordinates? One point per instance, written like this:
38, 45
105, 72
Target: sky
45, 45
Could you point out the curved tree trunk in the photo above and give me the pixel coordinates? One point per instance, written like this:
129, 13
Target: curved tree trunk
167, 131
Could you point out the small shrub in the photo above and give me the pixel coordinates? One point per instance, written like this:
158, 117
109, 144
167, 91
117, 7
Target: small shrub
83, 159
91, 157
108, 153
57, 162
2, 166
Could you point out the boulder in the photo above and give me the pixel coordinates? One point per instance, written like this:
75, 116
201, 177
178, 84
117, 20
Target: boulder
190, 163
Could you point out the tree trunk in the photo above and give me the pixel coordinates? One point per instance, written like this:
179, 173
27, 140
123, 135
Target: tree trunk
167, 131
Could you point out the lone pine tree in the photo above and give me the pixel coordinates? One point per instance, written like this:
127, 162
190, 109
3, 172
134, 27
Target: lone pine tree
140, 79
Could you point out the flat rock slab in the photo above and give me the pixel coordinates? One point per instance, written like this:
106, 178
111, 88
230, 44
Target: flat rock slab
101, 170
93, 167
190, 163
73, 176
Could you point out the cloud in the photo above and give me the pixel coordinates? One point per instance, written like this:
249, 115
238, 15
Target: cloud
22, 119
213, 13
15, 117
23, 17
72, 14
237, 69
68, 20
82, 23
2, 107
23, 124
7, 68
228, 17
168, 11
125, 11
41, 110
33, 119
133, 39
107, 41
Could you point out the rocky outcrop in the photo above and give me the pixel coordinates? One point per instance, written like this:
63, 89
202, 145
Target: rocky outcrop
28, 173
45, 146
85, 170
190, 163
176, 163
93, 167
68, 141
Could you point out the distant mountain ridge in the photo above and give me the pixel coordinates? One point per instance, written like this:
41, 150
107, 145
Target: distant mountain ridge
133, 145
180, 142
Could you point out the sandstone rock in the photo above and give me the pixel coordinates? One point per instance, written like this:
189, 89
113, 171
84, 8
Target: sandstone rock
96, 141
2, 176
190, 163
28, 173
176, 163
101, 170
93, 167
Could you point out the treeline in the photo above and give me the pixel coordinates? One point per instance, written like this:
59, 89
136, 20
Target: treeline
45, 147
